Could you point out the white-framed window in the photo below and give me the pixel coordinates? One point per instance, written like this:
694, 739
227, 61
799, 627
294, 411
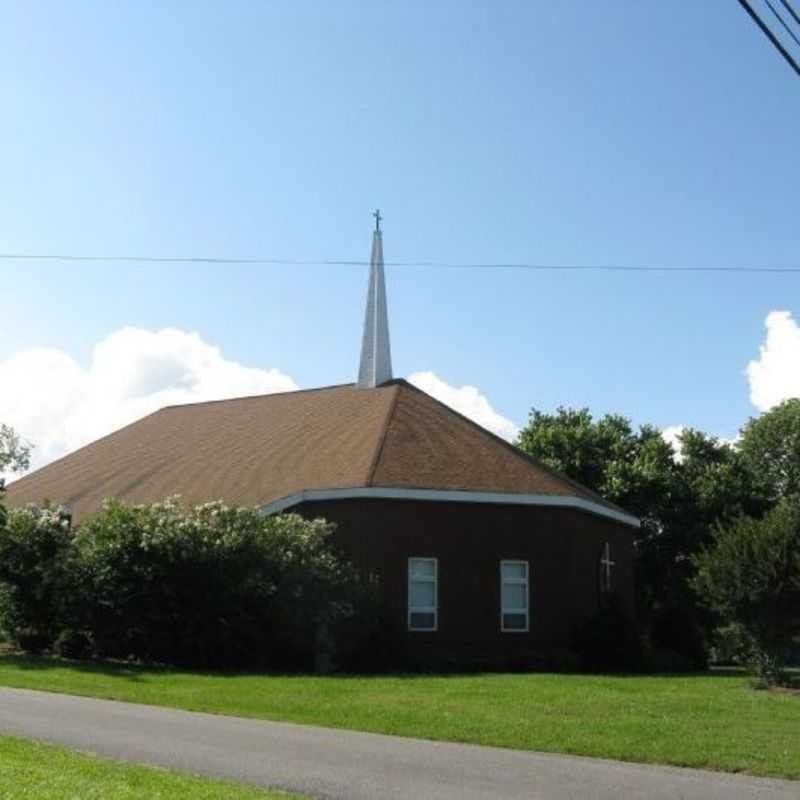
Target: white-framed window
423, 594
514, 596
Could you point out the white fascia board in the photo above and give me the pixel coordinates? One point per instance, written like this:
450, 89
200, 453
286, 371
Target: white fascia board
450, 496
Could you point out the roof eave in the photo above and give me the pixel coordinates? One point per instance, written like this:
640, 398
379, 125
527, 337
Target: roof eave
449, 496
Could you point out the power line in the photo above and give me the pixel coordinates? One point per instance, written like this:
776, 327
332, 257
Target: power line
782, 21
296, 262
789, 8
770, 35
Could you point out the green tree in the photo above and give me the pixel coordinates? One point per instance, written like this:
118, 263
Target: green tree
708, 484
678, 496
634, 469
750, 575
770, 444
15, 454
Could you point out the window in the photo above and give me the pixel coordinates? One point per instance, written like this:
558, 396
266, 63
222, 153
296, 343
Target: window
606, 566
514, 596
422, 594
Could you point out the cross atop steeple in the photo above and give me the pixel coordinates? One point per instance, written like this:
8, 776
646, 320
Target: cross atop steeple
376, 358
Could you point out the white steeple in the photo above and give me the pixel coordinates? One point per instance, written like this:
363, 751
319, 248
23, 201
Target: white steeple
376, 357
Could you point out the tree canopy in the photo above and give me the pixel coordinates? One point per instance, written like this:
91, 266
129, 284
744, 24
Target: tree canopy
15, 454
750, 575
770, 444
679, 493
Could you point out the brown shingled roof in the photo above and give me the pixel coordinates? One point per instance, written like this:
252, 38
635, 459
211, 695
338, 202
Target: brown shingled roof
255, 450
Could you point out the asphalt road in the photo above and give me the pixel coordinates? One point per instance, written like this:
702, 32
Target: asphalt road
329, 763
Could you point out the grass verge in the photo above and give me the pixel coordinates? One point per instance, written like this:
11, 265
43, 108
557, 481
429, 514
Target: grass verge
713, 721
45, 772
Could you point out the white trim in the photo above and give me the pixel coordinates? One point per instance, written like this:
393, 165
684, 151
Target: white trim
434, 609
450, 496
526, 582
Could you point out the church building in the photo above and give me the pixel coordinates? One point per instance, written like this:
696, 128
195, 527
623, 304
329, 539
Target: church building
483, 555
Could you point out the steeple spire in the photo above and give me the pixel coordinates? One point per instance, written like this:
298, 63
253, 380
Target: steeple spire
376, 356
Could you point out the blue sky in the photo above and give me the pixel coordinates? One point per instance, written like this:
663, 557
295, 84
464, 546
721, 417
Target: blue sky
572, 132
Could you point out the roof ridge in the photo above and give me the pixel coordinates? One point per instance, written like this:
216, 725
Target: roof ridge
376, 457
523, 456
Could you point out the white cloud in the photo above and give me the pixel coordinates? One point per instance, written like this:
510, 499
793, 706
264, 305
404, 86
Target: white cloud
775, 375
59, 405
671, 435
467, 400
55, 403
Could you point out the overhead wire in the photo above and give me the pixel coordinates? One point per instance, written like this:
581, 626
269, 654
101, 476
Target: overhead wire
787, 5
771, 36
297, 262
782, 21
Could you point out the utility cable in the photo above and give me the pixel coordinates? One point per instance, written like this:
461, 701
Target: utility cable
782, 21
295, 262
770, 35
787, 5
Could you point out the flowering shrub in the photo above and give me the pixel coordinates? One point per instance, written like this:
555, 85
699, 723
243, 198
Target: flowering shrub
212, 585
34, 545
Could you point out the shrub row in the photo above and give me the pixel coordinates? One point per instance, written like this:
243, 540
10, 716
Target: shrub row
208, 586
225, 587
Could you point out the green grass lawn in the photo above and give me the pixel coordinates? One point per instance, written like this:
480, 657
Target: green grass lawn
714, 721
32, 770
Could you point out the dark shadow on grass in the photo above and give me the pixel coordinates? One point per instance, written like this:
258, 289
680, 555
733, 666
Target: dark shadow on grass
129, 672
134, 672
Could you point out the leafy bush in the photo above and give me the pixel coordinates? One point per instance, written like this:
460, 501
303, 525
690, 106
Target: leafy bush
367, 641
663, 660
750, 576
34, 544
32, 640
73, 644
676, 631
609, 641
210, 586
729, 645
